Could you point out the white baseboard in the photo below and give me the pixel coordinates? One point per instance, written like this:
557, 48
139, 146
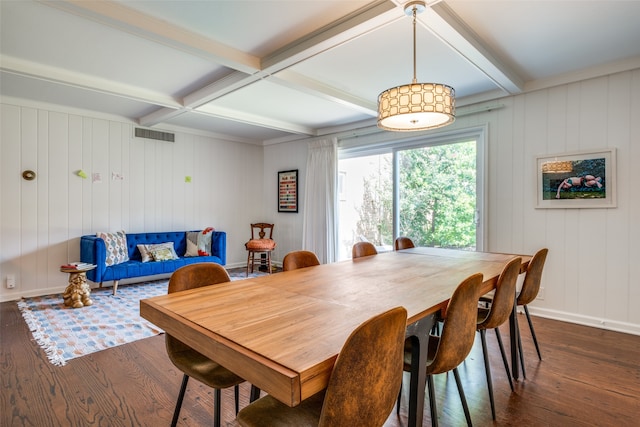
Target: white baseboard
235, 265
59, 289
33, 293
608, 324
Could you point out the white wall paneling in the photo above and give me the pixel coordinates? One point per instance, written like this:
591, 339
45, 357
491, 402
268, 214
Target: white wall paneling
588, 277
288, 226
42, 220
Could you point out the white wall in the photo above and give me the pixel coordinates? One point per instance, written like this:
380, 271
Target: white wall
589, 276
42, 220
287, 231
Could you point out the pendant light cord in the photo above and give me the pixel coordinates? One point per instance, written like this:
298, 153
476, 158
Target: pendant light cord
415, 8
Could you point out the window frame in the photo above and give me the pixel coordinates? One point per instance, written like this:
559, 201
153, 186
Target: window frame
390, 142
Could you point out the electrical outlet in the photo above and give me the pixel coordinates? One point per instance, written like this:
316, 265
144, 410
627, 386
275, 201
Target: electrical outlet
11, 281
540, 294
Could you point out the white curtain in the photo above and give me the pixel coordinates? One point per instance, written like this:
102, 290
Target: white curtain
319, 226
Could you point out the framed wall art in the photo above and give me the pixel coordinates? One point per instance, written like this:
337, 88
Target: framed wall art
288, 191
584, 179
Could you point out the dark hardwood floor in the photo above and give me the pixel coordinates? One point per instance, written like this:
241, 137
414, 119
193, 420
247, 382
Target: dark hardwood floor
589, 377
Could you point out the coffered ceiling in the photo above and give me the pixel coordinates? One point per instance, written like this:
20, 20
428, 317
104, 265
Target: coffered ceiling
265, 71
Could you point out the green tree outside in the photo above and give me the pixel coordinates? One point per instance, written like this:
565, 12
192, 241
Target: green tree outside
438, 195
375, 221
437, 198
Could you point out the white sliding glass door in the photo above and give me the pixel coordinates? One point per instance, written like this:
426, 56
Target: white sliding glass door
437, 195
428, 189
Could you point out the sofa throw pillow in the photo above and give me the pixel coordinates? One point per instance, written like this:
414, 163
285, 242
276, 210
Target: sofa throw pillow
145, 255
116, 243
192, 243
163, 253
157, 252
199, 242
204, 241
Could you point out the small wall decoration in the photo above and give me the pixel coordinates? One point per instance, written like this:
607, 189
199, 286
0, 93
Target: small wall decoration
584, 179
28, 175
288, 191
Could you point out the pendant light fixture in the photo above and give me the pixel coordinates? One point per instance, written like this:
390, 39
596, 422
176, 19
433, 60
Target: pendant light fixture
416, 106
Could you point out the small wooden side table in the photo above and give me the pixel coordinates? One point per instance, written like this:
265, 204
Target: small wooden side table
78, 293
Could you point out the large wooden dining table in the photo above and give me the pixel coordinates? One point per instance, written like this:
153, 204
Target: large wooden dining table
282, 332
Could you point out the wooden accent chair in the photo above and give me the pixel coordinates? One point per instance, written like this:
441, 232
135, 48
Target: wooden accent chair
260, 244
528, 293
447, 351
363, 386
361, 249
497, 314
299, 259
189, 361
403, 243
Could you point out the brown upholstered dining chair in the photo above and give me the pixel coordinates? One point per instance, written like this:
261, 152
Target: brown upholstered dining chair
260, 244
363, 386
448, 350
190, 362
528, 293
497, 314
361, 249
299, 259
403, 243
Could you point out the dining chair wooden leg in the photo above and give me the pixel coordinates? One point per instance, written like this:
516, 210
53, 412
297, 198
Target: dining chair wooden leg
487, 369
505, 361
533, 332
463, 399
176, 411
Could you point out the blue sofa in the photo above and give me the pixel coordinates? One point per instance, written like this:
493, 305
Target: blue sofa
93, 250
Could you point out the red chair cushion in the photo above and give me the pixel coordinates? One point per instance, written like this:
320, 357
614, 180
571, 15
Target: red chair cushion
260, 245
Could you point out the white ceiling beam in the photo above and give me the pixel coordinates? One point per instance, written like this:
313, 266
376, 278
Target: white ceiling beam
445, 24
243, 117
249, 69
123, 18
314, 87
200, 97
160, 115
381, 13
48, 73
219, 88
360, 22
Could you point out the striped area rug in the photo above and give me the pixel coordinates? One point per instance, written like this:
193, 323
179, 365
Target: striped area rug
66, 333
